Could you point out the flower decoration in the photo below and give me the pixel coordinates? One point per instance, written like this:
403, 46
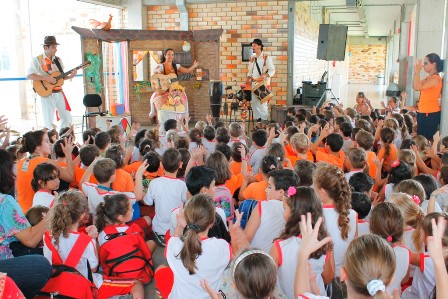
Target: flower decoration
395, 163
416, 199
291, 191
389, 239
141, 86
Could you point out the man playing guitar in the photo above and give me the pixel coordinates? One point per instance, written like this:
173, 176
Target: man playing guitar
260, 68
41, 68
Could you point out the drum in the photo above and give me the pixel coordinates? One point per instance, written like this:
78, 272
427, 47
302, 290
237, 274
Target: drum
262, 92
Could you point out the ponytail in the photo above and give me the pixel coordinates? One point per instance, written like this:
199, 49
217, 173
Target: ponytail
31, 140
108, 211
68, 209
200, 215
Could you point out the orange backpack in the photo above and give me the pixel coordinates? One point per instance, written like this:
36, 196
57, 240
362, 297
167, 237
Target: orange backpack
126, 255
66, 282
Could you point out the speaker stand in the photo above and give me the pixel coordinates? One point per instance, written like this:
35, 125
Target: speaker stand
324, 96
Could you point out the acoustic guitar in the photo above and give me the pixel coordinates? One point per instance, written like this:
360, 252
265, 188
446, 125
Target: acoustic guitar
161, 83
44, 88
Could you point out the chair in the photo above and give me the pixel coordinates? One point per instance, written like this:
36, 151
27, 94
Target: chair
91, 101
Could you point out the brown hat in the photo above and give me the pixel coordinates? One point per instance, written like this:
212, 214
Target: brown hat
50, 40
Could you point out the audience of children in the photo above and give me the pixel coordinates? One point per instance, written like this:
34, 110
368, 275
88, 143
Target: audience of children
333, 179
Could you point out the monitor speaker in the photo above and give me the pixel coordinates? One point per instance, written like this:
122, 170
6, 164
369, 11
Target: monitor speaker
332, 42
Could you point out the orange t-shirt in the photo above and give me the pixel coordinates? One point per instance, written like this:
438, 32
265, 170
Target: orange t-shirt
429, 98
256, 191
393, 155
25, 169
322, 155
133, 168
235, 181
289, 151
298, 157
123, 182
372, 167
235, 167
79, 173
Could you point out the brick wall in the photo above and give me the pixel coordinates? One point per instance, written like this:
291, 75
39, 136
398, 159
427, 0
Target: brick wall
242, 22
367, 59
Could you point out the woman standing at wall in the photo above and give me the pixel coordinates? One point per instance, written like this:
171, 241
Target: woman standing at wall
428, 116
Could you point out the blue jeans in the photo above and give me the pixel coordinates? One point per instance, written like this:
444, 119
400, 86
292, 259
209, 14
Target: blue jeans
30, 273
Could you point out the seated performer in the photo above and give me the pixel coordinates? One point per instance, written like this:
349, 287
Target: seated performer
159, 100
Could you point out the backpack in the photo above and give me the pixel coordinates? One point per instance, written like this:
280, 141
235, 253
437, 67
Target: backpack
246, 207
223, 199
66, 282
126, 255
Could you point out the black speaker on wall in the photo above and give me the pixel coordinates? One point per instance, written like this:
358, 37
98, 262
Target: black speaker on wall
332, 42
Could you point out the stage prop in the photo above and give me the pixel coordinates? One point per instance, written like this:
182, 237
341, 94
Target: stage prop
144, 48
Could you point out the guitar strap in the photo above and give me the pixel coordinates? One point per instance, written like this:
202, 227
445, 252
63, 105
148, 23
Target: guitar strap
58, 64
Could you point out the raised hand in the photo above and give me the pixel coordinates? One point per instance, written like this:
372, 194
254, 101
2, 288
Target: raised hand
434, 242
180, 217
418, 66
92, 231
310, 242
141, 170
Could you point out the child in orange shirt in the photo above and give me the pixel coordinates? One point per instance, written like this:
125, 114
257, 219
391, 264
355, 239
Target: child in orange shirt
220, 164
365, 141
123, 181
87, 154
388, 151
145, 146
235, 154
332, 152
300, 144
257, 190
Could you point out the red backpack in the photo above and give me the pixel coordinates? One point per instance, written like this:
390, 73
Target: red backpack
126, 254
66, 282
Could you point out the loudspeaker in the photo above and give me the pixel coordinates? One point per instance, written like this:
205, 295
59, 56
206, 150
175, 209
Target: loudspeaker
332, 42
215, 97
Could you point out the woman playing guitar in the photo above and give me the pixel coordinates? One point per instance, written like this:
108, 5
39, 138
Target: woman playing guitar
167, 67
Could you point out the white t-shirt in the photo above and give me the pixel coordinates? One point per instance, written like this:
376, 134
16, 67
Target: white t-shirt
216, 255
255, 157
166, 194
423, 282
43, 198
209, 145
407, 239
425, 204
272, 224
402, 260
363, 227
64, 248
287, 263
173, 220
135, 155
232, 141
95, 195
340, 245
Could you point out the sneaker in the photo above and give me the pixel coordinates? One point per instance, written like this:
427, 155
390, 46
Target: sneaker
159, 239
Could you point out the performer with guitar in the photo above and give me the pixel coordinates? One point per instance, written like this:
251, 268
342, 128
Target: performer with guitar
40, 70
260, 69
170, 69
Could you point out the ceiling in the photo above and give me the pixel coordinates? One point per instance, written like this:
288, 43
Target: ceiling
363, 17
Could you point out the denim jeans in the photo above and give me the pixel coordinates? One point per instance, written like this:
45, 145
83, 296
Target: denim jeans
30, 273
